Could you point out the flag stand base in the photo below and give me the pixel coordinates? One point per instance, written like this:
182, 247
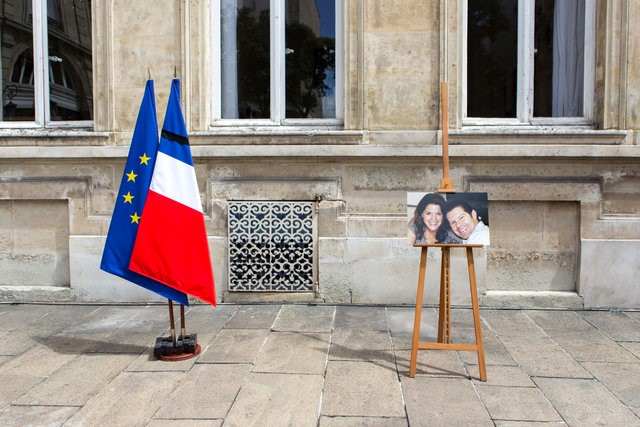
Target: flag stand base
185, 346
182, 356
170, 349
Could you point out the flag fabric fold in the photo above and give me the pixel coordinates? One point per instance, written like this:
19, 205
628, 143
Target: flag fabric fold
132, 197
171, 246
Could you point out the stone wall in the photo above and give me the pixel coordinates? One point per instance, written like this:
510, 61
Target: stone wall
564, 202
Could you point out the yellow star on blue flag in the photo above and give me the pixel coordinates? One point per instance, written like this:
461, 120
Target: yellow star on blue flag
126, 216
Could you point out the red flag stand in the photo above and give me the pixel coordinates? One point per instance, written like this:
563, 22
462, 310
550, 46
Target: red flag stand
184, 347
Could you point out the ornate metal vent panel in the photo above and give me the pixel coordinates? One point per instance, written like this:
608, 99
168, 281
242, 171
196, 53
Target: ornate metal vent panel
271, 246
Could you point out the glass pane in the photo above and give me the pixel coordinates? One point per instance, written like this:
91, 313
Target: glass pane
70, 69
16, 30
559, 58
310, 34
245, 59
492, 48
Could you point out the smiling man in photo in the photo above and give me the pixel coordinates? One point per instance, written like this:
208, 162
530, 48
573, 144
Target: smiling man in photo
464, 222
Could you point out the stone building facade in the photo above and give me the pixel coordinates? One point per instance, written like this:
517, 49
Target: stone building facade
564, 195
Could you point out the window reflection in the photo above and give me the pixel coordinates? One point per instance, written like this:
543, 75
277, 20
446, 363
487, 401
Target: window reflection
308, 48
245, 59
494, 66
69, 61
492, 58
310, 59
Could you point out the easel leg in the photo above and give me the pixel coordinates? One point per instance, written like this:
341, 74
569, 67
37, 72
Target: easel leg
476, 315
418, 313
444, 310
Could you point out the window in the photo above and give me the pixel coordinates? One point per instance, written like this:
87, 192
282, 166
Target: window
46, 63
277, 62
529, 62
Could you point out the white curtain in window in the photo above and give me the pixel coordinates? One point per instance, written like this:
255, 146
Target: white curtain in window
229, 58
568, 58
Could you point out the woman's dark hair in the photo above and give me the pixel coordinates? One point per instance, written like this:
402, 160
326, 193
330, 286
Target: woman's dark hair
430, 199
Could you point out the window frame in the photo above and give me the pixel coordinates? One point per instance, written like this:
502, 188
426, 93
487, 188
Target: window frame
277, 72
41, 86
525, 77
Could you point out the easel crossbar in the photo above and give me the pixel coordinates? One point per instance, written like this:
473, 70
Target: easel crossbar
447, 346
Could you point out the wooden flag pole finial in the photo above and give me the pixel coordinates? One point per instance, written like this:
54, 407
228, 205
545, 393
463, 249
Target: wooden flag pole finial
445, 183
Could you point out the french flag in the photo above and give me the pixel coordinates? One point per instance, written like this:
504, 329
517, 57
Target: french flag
171, 246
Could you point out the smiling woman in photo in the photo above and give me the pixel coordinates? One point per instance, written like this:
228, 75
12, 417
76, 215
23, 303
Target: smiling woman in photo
428, 224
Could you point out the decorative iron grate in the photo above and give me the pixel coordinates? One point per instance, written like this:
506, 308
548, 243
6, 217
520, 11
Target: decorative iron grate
271, 246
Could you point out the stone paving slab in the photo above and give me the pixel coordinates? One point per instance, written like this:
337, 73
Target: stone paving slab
184, 423
514, 325
503, 376
146, 362
207, 392
443, 363
362, 389
500, 423
544, 358
583, 402
205, 318
20, 416
350, 344
559, 320
622, 379
60, 317
362, 318
39, 361
317, 365
443, 401
132, 398
305, 318
14, 386
592, 346
294, 353
495, 352
525, 403
235, 346
254, 317
4, 359
633, 347
100, 321
401, 322
14, 317
277, 400
18, 341
77, 381
616, 324
134, 339
362, 421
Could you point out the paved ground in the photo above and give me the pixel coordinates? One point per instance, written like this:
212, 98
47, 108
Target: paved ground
284, 365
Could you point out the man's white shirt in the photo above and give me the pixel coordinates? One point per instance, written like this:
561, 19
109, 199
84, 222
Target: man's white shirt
480, 235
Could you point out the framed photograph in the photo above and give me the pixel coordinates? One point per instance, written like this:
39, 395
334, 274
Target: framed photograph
448, 218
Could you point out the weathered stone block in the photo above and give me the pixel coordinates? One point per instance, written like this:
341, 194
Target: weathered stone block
609, 273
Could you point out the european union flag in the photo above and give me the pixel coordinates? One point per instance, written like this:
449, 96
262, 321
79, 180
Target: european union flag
131, 199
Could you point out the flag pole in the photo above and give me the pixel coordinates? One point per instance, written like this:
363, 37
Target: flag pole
171, 321
183, 327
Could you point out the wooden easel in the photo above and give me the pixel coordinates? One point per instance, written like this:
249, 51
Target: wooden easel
444, 312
